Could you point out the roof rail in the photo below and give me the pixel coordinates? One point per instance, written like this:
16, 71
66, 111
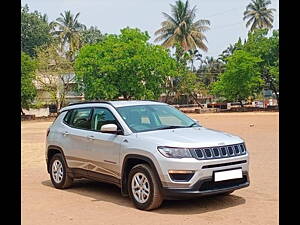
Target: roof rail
87, 102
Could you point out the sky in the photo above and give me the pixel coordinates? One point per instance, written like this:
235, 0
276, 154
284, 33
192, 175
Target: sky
226, 16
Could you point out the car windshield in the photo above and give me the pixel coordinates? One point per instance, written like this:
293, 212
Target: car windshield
141, 118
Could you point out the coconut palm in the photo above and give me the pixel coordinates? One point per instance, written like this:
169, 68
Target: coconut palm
210, 69
179, 27
68, 30
259, 15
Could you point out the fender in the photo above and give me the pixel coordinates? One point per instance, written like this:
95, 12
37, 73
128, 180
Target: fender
54, 147
124, 190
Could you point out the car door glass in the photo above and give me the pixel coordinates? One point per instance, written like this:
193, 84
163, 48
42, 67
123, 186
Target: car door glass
102, 116
80, 118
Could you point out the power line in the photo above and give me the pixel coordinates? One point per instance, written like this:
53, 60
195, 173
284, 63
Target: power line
228, 25
223, 12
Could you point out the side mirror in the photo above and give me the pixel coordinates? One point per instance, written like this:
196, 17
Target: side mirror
110, 128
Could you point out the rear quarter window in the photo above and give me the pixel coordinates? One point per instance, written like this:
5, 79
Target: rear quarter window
68, 117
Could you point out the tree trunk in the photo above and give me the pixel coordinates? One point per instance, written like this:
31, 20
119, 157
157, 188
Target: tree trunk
241, 103
268, 79
273, 88
196, 100
167, 97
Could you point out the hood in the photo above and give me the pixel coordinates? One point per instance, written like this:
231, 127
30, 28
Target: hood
194, 137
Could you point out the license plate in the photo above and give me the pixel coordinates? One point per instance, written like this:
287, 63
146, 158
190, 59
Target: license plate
228, 175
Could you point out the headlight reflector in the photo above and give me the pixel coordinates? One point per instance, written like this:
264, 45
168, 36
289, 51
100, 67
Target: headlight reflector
171, 152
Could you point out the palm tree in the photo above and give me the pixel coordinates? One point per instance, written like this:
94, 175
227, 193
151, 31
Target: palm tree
69, 32
257, 13
210, 69
179, 27
194, 55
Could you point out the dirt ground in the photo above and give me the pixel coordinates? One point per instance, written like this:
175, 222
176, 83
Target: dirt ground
89, 202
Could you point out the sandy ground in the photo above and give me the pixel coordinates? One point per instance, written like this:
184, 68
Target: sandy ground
89, 202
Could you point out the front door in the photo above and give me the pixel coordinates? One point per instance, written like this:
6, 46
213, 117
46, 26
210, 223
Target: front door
104, 148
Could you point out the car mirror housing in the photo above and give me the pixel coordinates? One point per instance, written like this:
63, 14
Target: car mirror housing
109, 128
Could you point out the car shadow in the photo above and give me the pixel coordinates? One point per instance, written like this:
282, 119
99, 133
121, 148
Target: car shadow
98, 191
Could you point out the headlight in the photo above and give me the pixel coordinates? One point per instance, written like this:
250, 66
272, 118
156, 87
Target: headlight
174, 152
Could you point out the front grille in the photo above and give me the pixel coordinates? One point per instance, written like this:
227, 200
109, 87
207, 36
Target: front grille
211, 185
219, 152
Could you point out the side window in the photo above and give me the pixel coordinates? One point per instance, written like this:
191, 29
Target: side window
80, 118
102, 116
68, 117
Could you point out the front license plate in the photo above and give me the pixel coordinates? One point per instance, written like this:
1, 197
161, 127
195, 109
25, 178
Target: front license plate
228, 175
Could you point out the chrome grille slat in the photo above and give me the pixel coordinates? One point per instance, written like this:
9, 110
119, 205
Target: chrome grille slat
236, 150
218, 151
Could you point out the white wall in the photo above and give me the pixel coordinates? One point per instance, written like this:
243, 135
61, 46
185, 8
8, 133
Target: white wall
37, 112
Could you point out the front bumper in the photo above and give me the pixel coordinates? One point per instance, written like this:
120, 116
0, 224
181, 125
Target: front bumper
207, 187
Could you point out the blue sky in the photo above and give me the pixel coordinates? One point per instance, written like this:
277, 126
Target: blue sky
226, 16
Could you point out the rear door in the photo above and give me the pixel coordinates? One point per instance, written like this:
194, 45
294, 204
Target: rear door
74, 135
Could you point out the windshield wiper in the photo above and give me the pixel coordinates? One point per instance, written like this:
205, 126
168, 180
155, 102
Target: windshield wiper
170, 127
193, 124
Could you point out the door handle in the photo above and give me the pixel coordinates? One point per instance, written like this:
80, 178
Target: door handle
91, 137
65, 133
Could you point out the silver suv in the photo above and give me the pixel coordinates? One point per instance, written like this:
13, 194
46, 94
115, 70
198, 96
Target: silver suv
150, 150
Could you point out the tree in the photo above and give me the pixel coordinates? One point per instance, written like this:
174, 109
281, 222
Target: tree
189, 84
185, 82
28, 89
68, 29
179, 27
35, 31
210, 69
230, 49
241, 78
55, 73
267, 49
124, 65
259, 15
91, 36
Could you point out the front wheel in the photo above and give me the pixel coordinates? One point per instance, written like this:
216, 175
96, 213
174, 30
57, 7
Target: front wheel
144, 188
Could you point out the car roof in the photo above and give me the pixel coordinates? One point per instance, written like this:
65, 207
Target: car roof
115, 104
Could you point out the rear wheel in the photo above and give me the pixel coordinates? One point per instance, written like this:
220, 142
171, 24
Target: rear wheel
143, 188
58, 172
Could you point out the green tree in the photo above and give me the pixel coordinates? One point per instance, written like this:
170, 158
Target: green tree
241, 78
54, 73
189, 84
35, 31
229, 50
124, 65
68, 30
259, 15
179, 27
91, 36
210, 69
267, 49
28, 89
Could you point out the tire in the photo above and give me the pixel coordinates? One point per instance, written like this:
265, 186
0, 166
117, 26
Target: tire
60, 179
155, 197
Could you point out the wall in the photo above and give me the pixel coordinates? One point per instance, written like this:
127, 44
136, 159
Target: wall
37, 112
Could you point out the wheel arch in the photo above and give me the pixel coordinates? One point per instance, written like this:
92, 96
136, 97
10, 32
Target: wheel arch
51, 151
129, 162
